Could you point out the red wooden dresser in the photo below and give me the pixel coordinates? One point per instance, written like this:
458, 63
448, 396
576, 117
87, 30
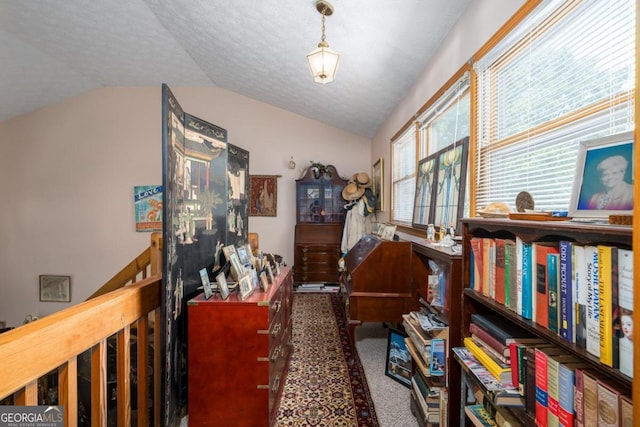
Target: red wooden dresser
238, 355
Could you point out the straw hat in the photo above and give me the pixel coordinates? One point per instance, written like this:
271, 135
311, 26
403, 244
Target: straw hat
352, 192
361, 179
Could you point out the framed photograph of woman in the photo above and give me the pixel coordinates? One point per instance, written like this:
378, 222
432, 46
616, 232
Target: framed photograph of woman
603, 183
246, 286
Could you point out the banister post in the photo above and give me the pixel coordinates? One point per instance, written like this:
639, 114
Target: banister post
156, 253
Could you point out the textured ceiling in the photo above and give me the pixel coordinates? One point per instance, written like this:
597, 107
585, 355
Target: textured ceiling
51, 50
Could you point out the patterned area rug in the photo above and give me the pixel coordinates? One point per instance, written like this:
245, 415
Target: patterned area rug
326, 385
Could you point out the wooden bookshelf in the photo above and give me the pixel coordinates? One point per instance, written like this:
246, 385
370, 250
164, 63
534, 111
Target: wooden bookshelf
473, 301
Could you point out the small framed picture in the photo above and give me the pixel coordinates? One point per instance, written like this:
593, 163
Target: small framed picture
206, 284
246, 286
388, 232
223, 287
270, 274
398, 366
228, 250
236, 264
243, 256
55, 288
254, 277
264, 282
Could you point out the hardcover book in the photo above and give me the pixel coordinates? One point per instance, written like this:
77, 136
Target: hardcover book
579, 274
500, 371
606, 257
541, 382
478, 267
488, 267
608, 405
566, 389
590, 397
480, 416
489, 339
499, 271
501, 329
625, 304
552, 281
510, 273
553, 386
626, 411
566, 327
527, 280
593, 300
541, 268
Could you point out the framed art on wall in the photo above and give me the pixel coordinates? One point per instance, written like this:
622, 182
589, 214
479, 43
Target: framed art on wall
378, 183
263, 192
55, 288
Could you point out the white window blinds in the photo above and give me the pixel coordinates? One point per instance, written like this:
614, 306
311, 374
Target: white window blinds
564, 74
404, 176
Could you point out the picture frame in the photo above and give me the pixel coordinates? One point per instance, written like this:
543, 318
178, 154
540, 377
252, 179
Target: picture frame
242, 255
55, 288
263, 195
377, 174
270, 274
603, 181
388, 232
236, 265
223, 286
245, 286
228, 250
206, 284
264, 281
441, 187
398, 363
423, 206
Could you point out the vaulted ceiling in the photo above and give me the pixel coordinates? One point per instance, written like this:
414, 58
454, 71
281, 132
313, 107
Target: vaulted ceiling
51, 50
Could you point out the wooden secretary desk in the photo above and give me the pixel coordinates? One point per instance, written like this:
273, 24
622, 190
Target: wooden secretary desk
320, 218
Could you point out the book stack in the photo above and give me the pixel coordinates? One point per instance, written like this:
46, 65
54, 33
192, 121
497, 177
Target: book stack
427, 343
582, 293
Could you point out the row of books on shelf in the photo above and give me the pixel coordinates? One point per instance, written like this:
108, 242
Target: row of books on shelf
431, 397
428, 349
427, 341
556, 388
583, 293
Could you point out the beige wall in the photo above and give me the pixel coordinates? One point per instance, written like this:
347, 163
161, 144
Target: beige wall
68, 172
479, 22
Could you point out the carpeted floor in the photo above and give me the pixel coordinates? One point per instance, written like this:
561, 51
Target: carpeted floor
322, 387
391, 399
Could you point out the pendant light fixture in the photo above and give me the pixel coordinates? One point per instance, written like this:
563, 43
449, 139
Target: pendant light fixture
323, 62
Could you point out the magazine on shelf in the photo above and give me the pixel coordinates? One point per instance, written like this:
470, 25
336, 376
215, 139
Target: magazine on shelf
502, 393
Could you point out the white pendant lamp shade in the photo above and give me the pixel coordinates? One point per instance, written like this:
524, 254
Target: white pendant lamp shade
323, 63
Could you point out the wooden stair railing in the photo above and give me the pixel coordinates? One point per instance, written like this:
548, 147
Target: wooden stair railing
54, 343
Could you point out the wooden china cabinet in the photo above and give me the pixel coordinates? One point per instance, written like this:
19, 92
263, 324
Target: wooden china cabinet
320, 215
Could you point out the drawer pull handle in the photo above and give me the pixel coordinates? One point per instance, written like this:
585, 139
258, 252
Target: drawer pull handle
276, 306
276, 329
276, 384
276, 354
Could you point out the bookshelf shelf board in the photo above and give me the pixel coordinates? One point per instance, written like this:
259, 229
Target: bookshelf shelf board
545, 333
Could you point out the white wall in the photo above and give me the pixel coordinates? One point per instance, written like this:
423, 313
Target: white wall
68, 171
478, 24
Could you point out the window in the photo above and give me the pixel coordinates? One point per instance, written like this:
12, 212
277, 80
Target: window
563, 75
403, 176
445, 120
